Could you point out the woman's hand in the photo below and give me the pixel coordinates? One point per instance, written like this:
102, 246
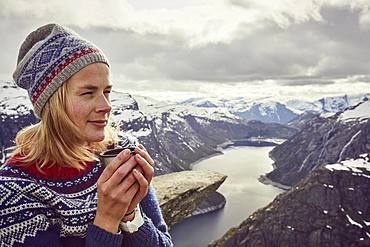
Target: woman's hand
143, 174
117, 186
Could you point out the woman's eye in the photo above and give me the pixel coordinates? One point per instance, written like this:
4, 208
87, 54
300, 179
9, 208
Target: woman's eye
107, 92
86, 93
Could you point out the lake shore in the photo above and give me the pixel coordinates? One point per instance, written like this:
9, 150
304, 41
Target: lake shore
265, 180
218, 201
243, 194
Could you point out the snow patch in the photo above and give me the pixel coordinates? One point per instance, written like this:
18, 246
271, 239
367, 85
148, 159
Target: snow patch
362, 111
290, 227
353, 222
356, 166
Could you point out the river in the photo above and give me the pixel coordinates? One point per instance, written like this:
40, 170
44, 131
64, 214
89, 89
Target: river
243, 192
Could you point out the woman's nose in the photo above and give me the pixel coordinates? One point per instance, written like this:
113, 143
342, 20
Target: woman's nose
103, 105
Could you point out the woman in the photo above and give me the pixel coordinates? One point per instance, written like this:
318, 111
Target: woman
53, 189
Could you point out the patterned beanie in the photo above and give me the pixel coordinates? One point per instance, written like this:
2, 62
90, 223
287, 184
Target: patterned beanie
48, 57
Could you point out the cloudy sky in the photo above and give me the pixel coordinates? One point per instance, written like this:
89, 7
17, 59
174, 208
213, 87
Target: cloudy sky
177, 49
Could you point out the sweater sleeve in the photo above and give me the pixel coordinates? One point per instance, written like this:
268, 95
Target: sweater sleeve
154, 231
99, 237
95, 237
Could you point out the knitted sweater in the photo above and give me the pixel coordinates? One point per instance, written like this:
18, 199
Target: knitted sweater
58, 208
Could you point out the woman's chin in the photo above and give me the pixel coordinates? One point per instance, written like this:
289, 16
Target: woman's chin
95, 138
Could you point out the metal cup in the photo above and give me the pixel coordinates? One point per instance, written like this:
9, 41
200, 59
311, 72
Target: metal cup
108, 155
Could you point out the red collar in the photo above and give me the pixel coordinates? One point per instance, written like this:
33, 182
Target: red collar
49, 172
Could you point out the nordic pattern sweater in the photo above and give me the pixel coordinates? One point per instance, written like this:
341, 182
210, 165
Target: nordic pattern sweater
57, 209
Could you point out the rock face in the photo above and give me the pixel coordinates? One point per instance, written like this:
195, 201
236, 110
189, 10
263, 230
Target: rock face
331, 207
212, 203
322, 141
180, 193
302, 120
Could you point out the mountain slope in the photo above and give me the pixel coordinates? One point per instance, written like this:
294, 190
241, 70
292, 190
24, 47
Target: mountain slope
330, 207
322, 140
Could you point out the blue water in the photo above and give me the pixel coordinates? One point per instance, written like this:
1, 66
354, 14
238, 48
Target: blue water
244, 195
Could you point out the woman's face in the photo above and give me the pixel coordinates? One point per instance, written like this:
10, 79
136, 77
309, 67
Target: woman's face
88, 105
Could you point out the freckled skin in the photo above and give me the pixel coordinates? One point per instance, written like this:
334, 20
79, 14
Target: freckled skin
88, 92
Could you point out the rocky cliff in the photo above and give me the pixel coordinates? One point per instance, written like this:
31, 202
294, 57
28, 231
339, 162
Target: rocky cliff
302, 120
181, 193
330, 207
322, 140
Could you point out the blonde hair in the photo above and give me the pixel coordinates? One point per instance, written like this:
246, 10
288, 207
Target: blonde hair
48, 140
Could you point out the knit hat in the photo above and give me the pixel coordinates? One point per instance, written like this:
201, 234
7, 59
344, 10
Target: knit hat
48, 57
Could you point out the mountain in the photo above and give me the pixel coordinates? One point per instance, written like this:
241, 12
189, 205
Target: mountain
322, 141
262, 110
327, 104
325, 168
330, 207
175, 135
302, 120
335, 104
268, 110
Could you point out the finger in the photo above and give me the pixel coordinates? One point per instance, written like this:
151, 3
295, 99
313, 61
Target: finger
113, 165
148, 170
120, 191
141, 146
127, 195
121, 173
143, 187
145, 155
138, 167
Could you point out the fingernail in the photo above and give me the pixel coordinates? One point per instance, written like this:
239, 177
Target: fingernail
135, 171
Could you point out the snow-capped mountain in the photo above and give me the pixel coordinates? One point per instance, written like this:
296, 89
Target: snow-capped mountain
322, 140
263, 110
176, 135
269, 110
327, 104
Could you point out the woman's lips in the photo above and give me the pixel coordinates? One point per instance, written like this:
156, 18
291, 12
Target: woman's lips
99, 123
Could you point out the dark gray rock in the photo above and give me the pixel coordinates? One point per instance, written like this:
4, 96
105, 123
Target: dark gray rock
330, 207
321, 141
302, 120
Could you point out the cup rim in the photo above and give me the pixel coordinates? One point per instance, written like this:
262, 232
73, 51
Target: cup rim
107, 153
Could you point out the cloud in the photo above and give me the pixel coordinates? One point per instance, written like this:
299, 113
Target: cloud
309, 49
288, 12
293, 43
196, 22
